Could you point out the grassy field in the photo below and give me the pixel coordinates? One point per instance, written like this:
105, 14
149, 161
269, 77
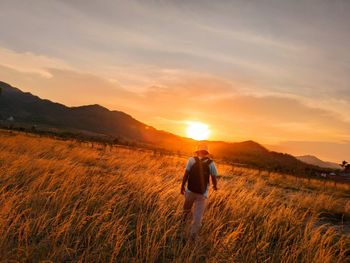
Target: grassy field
64, 201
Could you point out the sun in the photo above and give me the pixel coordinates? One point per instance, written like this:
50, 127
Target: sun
197, 130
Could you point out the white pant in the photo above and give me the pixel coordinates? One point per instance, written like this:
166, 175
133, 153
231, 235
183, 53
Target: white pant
199, 202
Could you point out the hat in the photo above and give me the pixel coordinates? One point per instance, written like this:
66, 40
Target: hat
202, 147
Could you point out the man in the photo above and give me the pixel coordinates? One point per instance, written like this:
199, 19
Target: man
197, 173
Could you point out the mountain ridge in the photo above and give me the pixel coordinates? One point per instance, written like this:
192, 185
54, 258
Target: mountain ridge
26, 108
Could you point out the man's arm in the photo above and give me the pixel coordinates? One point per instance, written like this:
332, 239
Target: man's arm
189, 164
184, 181
215, 182
213, 174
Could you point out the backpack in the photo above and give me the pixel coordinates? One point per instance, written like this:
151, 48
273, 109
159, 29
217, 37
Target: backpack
199, 173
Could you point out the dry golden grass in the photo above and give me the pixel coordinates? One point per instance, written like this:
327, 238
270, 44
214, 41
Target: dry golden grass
62, 201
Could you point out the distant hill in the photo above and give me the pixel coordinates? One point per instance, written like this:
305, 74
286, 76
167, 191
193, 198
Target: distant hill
24, 109
309, 159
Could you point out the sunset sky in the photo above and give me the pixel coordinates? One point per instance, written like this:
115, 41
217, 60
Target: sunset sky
277, 72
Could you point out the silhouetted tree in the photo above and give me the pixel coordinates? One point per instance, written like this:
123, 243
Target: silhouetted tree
344, 164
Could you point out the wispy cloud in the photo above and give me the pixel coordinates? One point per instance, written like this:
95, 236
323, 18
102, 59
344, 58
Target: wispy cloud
28, 62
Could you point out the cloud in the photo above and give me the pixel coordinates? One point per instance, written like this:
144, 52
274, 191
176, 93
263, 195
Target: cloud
278, 47
272, 44
28, 62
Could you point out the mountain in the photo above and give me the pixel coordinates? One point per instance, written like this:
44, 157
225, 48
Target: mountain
27, 108
22, 109
309, 159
